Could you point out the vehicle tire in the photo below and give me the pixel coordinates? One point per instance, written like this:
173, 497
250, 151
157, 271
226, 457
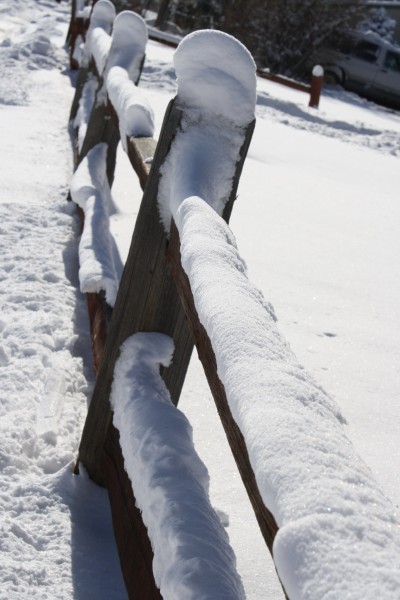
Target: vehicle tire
331, 78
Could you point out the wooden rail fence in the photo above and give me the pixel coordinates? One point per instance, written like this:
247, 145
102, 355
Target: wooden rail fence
155, 295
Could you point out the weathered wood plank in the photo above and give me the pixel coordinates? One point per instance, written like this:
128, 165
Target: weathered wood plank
99, 317
134, 548
141, 152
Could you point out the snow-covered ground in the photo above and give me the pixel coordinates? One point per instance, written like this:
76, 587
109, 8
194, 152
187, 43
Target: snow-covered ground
317, 222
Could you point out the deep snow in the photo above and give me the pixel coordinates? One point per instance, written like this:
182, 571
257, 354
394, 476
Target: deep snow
317, 222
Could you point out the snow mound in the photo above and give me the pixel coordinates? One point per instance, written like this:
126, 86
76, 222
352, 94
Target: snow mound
103, 15
217, 94
216, 74
35, 51
192, 555
102, 18
100, 43
128, 44
86, 104
37, 343
28, 44
124, 65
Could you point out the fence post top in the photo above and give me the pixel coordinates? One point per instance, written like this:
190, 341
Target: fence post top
126, 19
128, 42
318, 71
103, 14
216, 74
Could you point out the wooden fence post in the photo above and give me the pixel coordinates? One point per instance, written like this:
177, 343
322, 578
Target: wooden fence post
134, 547
316, 86
76, 27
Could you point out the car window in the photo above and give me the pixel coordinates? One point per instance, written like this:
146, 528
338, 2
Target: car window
392, 61
367, 51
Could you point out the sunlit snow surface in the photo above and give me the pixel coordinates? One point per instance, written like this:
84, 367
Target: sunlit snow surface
317, 222
52, 523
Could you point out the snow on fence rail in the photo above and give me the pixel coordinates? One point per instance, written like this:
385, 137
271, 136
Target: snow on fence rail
331, 531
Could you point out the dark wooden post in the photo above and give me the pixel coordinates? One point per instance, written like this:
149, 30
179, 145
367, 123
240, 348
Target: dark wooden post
71, 23
316, 86
83, 75
101, 128
134, 547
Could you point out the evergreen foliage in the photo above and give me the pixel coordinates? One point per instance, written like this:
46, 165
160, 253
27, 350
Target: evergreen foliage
379, 22
283, 34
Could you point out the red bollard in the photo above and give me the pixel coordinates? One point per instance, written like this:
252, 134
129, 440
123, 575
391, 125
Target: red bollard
316, 86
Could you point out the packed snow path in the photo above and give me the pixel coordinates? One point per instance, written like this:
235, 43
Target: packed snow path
51, 523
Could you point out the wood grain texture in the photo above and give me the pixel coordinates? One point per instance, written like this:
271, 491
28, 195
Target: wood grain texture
141, 153
134, 547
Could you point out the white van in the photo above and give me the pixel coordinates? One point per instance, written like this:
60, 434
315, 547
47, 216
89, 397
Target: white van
364, 63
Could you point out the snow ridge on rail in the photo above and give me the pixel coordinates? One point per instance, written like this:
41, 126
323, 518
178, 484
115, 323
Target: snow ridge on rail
192, 555
339, 536
127, 52
91, 191
101, 22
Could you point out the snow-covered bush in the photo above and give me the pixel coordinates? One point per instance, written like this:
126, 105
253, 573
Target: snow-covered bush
379, 22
